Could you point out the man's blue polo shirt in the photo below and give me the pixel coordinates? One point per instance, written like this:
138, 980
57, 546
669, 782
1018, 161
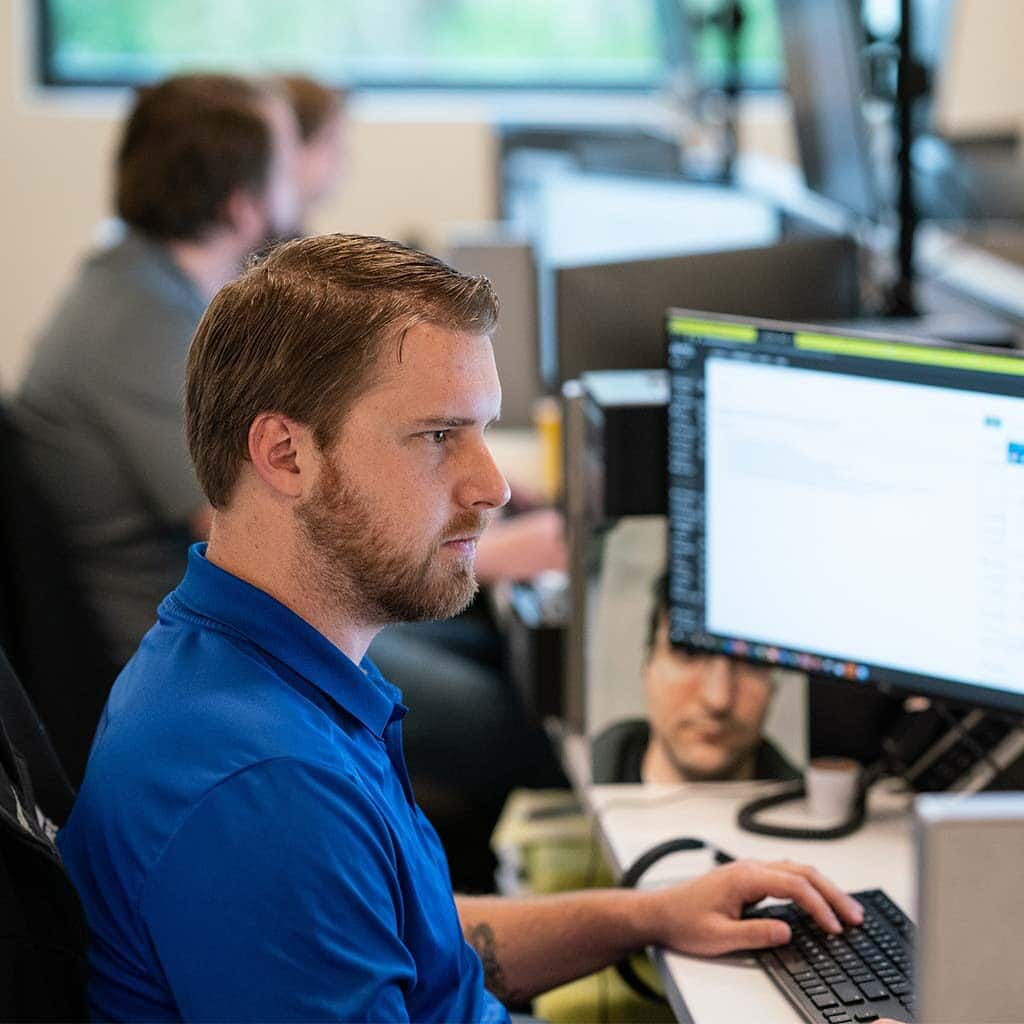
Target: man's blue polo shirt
246, 842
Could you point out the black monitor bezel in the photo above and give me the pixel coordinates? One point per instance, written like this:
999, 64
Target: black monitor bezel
953, 692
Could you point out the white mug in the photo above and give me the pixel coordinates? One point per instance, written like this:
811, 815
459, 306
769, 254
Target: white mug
831, 784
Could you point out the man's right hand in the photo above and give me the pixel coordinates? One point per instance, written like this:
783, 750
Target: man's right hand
704, 917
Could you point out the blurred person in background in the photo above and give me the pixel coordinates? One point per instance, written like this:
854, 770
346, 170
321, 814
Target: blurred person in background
320, 112
705, 718
203, 177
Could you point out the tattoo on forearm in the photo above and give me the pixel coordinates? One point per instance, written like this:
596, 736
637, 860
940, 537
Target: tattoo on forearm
481, 938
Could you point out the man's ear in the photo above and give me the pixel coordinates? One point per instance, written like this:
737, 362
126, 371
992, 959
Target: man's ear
244, 214
282, 453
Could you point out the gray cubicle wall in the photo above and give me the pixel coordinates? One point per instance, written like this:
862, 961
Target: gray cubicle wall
611, 316
506, 257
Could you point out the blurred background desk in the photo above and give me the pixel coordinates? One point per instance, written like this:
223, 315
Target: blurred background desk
632, 819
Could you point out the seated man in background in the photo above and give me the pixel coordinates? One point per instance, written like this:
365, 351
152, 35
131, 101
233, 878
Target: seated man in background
203, 177
246, 842
705, 716
320, 113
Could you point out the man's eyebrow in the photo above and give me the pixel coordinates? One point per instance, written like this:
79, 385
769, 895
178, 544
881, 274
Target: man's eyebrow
448, 422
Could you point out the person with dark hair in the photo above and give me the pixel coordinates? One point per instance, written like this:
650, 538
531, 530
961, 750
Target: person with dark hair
203, 177
246, 842
705, 718
320, 113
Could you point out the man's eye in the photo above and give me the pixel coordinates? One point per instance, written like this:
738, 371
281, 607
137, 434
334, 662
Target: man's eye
438, 436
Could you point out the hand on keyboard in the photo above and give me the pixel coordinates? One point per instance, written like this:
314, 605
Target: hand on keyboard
705, 917
864, 974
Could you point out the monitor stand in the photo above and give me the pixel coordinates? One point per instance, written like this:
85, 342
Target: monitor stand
979, 750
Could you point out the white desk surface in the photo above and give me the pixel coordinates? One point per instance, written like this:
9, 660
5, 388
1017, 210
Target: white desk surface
632, 819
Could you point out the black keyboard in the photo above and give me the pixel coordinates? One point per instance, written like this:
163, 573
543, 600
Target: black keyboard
860, 975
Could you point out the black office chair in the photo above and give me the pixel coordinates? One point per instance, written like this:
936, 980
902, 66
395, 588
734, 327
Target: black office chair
43, 934
49, 635
53, 792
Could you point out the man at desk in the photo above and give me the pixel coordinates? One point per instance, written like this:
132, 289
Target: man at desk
705, 718
246, 841
203, 177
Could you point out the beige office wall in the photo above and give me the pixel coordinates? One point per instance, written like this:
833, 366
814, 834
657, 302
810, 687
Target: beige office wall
407, 178
980, 85
416, 167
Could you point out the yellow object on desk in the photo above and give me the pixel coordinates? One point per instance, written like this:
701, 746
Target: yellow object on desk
547, 415
544, 843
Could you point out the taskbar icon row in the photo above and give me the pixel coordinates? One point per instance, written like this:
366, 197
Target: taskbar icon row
784, 658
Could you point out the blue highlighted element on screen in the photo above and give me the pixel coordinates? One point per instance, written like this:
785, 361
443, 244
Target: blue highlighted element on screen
1015, 452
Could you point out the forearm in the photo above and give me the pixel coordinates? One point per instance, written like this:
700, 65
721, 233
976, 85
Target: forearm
531, 945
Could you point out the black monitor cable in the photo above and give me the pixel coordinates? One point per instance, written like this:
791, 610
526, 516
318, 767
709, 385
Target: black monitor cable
749, 814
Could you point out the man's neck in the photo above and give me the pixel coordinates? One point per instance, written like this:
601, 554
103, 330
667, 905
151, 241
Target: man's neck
209, 263
273, 567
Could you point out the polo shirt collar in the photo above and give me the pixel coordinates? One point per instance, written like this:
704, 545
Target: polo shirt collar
211, 592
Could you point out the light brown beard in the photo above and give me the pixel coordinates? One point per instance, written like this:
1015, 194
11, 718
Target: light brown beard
353, 563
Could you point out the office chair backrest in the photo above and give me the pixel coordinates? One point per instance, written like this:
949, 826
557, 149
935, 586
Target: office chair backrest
53, 792
43, 935
50, 637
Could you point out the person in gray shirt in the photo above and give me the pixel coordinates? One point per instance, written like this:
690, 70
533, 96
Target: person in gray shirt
204, 176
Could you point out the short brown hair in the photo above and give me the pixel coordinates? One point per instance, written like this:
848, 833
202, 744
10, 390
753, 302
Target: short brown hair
314, 104
189, 142
300, 333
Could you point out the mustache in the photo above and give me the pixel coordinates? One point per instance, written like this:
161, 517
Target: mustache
466, 524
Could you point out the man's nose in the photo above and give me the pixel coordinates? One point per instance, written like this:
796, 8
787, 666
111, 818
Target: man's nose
483, 484
718, 686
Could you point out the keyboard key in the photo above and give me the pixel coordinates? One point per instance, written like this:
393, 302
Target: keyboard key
848, 993
874, 990
791, 960
865, 1015
824, 1000
901, 988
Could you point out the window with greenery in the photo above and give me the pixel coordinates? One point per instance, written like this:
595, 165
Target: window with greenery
625, 44
760, 46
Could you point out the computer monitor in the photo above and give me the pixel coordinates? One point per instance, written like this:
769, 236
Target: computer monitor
611, 316
850, 505
822, 44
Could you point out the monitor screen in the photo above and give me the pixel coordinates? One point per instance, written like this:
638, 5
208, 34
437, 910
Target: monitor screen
823, 42
849, 505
